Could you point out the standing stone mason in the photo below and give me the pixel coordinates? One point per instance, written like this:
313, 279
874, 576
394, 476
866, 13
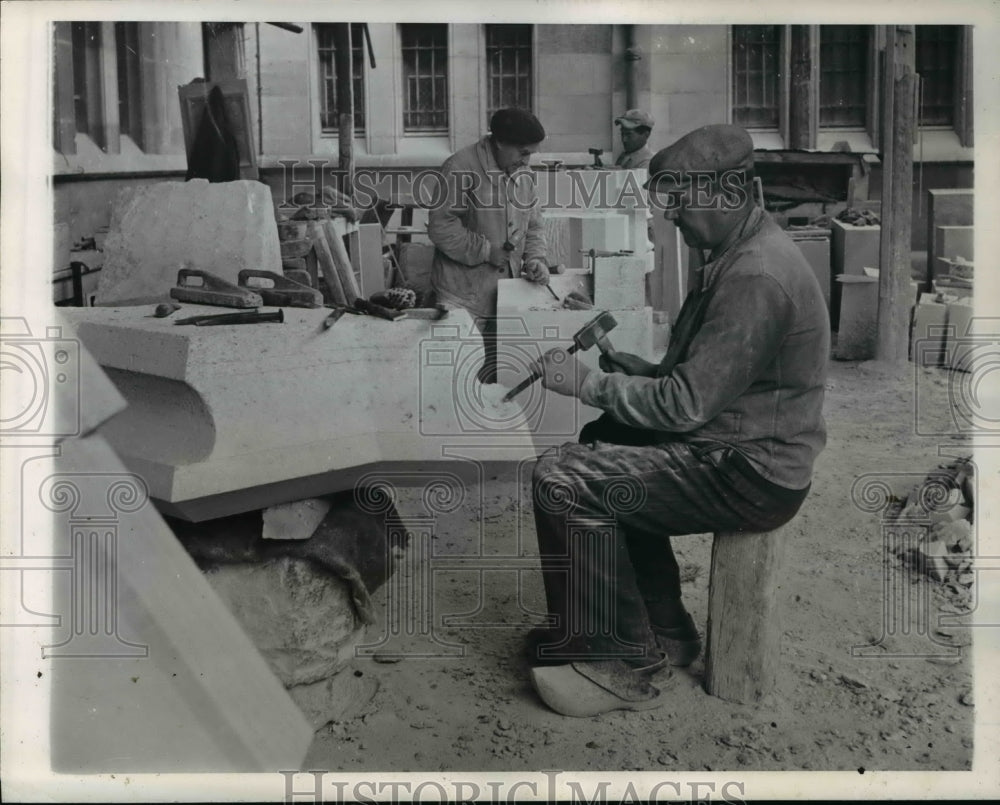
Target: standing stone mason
489, 226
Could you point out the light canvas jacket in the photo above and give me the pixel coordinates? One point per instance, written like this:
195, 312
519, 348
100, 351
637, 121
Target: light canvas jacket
483, 206
633, 160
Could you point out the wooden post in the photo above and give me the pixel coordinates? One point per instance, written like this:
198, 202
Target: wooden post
64, 134
802, 111
336, 288
744, 631
898, 127
345, 104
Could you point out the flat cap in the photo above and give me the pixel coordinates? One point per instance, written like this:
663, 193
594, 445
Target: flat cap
516, 127
634, 118
719, 148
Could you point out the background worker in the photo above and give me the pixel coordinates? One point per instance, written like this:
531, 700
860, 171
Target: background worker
636, 126
721, 435
489, 226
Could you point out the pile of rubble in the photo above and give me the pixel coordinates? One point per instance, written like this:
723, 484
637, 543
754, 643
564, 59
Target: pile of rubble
945, 500
852, 215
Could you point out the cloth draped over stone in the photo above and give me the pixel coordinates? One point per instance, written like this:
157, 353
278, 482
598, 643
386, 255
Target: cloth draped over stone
215, 154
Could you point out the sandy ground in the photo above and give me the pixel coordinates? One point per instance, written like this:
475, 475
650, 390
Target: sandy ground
890, 704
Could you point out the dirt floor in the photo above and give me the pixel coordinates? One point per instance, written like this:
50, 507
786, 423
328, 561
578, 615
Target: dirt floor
900, 701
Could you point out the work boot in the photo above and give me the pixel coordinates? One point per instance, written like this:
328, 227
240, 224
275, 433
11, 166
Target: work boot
559, 651
682, 643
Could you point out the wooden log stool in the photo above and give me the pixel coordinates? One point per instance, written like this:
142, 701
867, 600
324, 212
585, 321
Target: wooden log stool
743, 643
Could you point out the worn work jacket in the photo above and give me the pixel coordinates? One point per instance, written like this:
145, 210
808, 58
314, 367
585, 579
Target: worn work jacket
483, 207
633, 160
747, 360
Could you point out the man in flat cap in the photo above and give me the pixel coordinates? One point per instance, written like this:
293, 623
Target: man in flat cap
636, 126
721, 435
490, 226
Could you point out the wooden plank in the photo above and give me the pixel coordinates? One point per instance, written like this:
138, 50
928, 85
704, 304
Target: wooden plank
744, 631
176, 686
366, 257
897, 184
341, 260
326, 264
345, 104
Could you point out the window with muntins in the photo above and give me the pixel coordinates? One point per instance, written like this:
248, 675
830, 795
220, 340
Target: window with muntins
937, 65
329, 114
425, 77
843, 75
508, 64
756, 76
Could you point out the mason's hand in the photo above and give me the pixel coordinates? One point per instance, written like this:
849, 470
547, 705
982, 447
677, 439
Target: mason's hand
627, 364
562, 372
577, 300
499, 256
536, 271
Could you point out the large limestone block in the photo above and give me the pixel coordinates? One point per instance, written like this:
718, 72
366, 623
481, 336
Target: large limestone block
156, 229
290, 410
853, 248
619, 282
946, 207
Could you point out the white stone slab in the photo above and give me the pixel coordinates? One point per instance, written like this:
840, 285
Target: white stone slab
157, 229
528, 330
214, 410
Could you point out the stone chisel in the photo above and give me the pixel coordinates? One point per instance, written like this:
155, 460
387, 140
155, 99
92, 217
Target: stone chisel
249, 317
594, 332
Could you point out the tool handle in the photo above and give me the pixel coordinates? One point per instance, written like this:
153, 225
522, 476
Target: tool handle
604, 345
537, 373
333, 318
253, 317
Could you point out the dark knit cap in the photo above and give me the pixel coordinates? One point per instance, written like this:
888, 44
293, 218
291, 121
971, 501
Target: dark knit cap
516, 127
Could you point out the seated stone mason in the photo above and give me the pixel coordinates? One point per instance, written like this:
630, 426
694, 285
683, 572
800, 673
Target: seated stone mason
721, 435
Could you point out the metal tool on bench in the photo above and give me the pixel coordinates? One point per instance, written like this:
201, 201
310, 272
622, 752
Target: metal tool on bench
206, 288
593, 333
593, 254
362, 307
282, 292
245, 317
